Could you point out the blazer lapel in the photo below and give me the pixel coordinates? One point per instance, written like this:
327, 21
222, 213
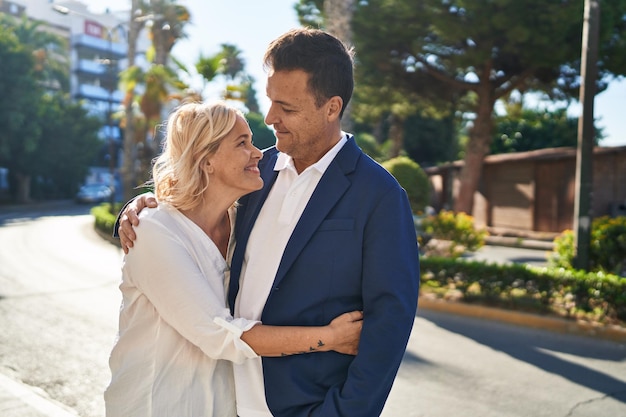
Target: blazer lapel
333, 184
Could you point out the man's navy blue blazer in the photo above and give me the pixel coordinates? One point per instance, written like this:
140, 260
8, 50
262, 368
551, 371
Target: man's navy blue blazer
354, 248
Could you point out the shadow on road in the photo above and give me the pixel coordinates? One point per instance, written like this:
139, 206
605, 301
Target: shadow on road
27, 212
531, 347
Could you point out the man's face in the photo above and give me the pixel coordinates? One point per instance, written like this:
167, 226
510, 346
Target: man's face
303, 130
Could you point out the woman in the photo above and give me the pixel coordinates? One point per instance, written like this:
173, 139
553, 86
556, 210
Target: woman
177, 339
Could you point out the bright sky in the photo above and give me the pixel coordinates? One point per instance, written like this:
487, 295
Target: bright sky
251, 25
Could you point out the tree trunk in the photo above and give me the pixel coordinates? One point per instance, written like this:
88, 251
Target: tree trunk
23, 188
396, 135
477, 149
338, 20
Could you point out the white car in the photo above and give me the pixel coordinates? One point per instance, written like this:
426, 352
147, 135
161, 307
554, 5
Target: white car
93, 193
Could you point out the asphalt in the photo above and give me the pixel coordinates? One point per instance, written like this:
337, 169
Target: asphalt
21, 400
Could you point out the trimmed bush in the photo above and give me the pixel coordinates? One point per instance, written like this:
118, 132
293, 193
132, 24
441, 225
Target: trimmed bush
607, 249
455, 228
367, 143
412, 178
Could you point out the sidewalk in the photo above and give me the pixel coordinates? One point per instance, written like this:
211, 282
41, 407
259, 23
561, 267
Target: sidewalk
21, 400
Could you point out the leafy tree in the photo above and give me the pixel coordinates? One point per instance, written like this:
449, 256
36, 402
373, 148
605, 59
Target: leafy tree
465, 55
50, 67
430, 140
42, 136
528, 129
69, 143
262, 136
19, 136
379, 107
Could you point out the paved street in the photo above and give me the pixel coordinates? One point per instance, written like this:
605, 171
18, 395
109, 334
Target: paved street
58, 309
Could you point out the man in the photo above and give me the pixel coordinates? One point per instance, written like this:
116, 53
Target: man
330, 231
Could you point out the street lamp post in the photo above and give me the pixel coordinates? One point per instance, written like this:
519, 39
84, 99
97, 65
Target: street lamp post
584, 154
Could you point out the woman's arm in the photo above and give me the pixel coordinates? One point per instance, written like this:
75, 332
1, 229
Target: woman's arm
341, 335
164, 267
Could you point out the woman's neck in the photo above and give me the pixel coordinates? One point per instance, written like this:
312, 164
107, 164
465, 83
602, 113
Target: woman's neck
214, 221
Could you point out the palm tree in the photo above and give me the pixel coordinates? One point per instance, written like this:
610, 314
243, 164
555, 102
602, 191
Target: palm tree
160, 83
229, 64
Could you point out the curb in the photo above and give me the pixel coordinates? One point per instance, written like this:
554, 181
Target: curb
555, 324
26, 400
516, 242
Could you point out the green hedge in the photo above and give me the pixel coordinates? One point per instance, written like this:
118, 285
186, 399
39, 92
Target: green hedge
596, 297
105, 217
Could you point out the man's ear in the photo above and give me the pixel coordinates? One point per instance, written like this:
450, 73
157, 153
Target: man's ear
334, 107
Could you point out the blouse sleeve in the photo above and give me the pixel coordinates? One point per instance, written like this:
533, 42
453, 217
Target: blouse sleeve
185, 285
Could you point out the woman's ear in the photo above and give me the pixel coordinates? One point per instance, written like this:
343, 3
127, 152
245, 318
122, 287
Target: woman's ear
206, 165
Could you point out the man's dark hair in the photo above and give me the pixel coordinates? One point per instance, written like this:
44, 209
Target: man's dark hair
325, 58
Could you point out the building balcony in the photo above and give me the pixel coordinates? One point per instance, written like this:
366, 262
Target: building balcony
116, 50
91, 67
94, 92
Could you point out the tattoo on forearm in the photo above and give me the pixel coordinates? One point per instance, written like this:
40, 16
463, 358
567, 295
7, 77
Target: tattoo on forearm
311, 349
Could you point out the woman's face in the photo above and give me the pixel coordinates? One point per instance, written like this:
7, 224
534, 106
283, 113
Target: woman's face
235, 163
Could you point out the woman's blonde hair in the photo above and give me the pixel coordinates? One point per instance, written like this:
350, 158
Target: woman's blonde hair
194, 132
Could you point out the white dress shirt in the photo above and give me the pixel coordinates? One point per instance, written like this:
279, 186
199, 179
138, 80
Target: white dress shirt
177, 340
272, 229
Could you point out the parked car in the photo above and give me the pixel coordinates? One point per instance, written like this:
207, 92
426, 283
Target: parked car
93, 193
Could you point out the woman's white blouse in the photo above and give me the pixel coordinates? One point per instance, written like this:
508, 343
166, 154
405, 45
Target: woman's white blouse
176, 338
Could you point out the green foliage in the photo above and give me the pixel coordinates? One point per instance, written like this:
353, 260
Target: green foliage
51, 65
18, 102
456, 228
45, 140
429, 140
597, 297
564, 250
413, 179
229, 66
262, 136
68, 147
105, 217
461, 57
607, 249
368, 144
535, 129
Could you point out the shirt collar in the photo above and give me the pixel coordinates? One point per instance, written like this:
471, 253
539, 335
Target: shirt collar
285, 161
